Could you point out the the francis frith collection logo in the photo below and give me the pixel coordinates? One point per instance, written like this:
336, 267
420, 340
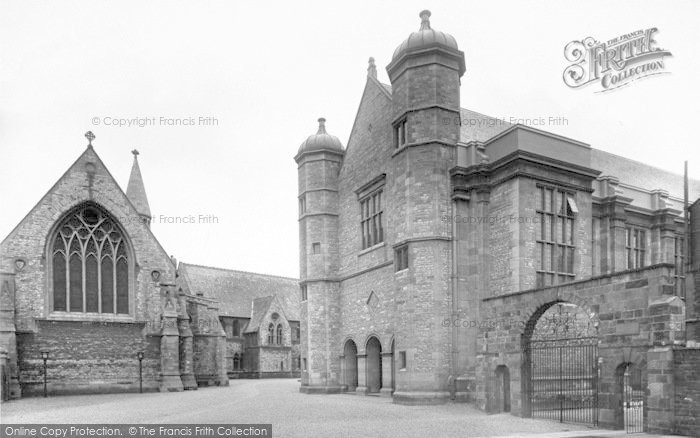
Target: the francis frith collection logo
614, 63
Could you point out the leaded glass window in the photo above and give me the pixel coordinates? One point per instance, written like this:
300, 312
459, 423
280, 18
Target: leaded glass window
90, 264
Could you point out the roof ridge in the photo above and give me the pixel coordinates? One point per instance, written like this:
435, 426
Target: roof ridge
238, 271
680, 175
482, 114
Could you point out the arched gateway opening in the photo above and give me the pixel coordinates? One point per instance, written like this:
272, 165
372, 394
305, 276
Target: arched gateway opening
502, 391
560, 367
374, 365
630, 395
350, 354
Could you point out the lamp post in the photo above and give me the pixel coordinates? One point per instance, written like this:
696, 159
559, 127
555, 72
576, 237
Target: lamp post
45, 357
139, 355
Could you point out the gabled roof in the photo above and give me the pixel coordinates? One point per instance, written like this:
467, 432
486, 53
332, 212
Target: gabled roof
260, 308
89, 155
237, 290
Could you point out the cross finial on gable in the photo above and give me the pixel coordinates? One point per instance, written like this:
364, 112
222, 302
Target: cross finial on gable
90, 136
135, 152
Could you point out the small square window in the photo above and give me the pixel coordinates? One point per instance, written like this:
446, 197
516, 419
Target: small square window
316, 247
402, 360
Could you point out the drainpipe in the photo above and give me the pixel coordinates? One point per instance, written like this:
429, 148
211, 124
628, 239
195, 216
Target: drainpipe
455, 304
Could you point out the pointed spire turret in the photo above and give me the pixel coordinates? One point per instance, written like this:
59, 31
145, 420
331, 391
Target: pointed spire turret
372, 69
136, 192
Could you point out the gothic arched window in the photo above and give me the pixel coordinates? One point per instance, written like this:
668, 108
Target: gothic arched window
279, 334
90, 264
271, 334
236, 362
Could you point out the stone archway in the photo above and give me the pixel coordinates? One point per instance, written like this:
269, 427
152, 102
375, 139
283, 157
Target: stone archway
350, 357
374, 365
560, 367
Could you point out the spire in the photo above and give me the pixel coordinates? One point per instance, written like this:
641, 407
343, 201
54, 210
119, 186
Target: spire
136, 192
425, 20
321, 126
372, 69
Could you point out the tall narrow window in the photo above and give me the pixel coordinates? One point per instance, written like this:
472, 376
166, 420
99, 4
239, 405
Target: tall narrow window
279, 337
90, 264
271, 334
304, 293
236, 362
635, 247
401, 258
400, 134
302, 205
556, 210
371, 212
679, 263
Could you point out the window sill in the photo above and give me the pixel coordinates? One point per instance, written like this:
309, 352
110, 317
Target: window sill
78, 317
371, 248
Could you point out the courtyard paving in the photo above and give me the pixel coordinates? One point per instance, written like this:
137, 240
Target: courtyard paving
291, 413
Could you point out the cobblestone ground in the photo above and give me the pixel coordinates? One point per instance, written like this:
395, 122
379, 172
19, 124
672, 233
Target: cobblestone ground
279, 402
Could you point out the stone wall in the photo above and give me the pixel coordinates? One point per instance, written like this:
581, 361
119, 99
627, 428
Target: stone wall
87, 357
686, 401
618, 304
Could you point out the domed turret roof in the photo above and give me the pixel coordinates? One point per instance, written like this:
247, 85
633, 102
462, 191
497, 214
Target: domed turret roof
424, 38
321, 140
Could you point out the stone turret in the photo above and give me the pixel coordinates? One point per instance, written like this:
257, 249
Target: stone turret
319, 160
425, 74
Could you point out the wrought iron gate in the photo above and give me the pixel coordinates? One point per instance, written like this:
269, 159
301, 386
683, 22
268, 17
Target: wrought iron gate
562, 379
633, 401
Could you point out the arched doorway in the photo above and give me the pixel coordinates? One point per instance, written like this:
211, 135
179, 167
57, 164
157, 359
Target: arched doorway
631, 397
502, 390
374, 365
350, 353
560, 367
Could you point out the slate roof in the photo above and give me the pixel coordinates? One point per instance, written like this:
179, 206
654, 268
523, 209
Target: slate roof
642, 175
480, 127
237, 290
260, 307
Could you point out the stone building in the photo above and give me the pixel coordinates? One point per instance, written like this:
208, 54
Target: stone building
85, 285
259, 314
446, 254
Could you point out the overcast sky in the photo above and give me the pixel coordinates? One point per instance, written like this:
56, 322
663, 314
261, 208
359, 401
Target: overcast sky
267, 70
